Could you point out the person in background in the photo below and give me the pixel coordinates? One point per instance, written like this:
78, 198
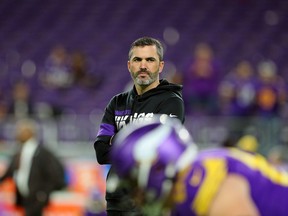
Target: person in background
237, 95
201, 77
271, 99
237, 91
271, 93
169, 176
150, 95
36, 171
81, 76
56, 74
21, 104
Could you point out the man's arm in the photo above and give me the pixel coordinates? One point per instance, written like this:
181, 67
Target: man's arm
233, 199
174, 107
10, 168
106, 132
102, 148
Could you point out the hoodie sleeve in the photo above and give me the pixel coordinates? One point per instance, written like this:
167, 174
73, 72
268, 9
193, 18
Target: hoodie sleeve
106, 132
174, 107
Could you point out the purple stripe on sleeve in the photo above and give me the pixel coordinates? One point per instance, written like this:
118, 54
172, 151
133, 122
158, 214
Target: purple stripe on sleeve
106, 130
122, 112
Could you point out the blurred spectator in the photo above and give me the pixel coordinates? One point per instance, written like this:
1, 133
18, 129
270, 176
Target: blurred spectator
270, 102
21, 105
237, 91
271, 91
200, 81
56, 72
81, 76
35, 170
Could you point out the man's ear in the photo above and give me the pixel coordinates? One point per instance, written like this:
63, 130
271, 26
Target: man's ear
128, 65
161, 66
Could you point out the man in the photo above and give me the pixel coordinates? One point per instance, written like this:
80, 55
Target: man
160, 161
35, 170
150, 95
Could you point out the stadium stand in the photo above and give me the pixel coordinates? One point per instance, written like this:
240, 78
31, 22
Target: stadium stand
237, 29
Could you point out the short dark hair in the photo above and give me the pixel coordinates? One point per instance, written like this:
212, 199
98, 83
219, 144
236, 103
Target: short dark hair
147, 41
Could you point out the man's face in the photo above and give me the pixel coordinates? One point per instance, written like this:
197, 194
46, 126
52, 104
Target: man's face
145, 65
23, 134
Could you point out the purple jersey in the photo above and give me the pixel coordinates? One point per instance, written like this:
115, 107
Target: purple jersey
198, 184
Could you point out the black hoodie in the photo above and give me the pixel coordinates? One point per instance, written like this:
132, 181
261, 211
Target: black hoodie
126, 107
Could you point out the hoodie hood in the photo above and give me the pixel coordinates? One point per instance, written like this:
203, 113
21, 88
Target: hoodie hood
164, 86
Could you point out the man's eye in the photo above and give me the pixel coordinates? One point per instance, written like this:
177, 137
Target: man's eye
137, 59
150, 59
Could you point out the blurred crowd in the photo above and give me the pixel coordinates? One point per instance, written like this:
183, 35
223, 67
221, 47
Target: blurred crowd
250, 90
252, 95
62, 71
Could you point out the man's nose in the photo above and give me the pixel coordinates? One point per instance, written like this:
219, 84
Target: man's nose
143, 64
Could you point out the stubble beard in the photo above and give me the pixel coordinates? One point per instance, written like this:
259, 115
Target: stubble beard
152, 77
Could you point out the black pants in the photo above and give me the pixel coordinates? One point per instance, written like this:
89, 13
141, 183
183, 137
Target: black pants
33, 211
33, 208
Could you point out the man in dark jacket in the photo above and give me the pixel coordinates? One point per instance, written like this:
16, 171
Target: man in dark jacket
35, 170
150, 95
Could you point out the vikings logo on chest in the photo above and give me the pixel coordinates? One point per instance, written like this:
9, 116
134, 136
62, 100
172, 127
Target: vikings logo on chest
122, 119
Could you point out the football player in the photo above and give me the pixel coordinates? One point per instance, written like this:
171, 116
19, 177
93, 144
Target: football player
159, 159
